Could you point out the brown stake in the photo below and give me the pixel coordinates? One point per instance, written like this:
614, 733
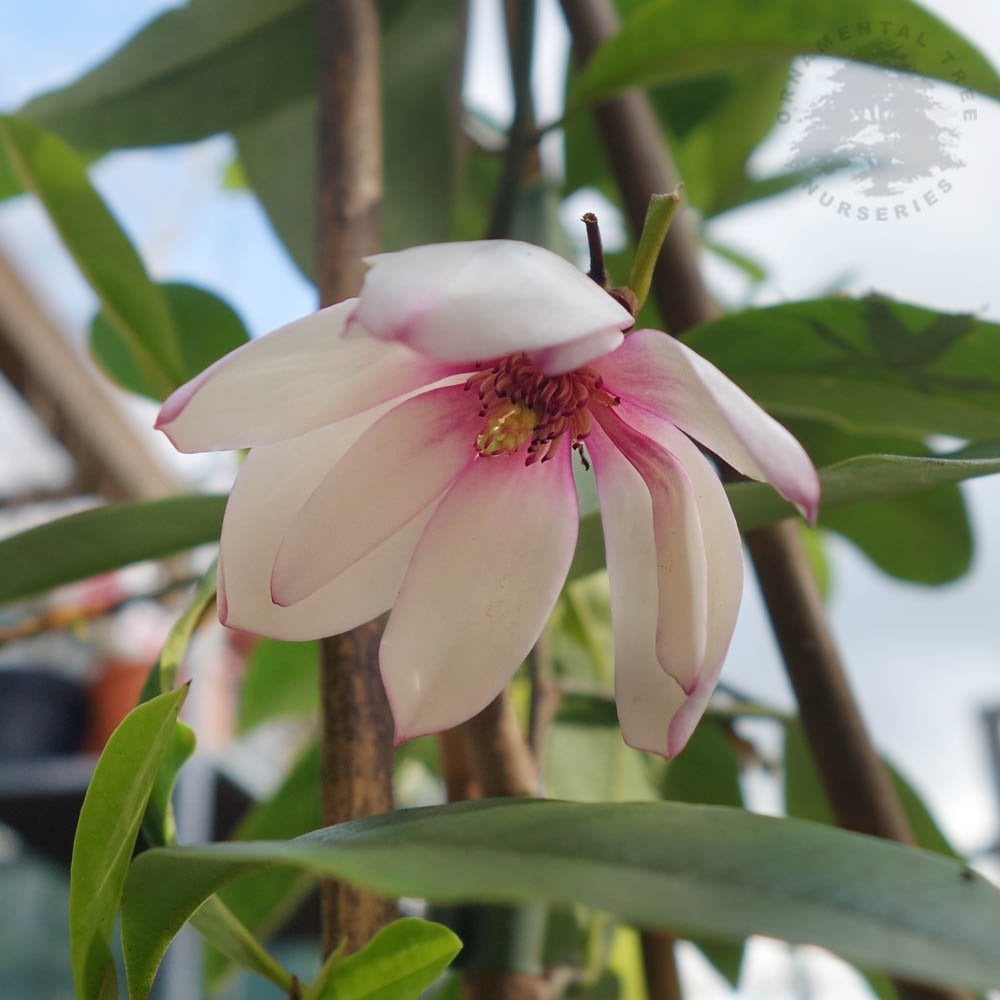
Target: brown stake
356, 729
855, 780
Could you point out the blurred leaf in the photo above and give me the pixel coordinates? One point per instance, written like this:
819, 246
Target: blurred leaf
750, 267
278, 150
862, 479
923, 537
813, 544
399, 963
805, 798
280, 678
265, 900
278, 154
708, 770
865, 479
206, 329
712, 157
96, 541
133, 304
870, 365
105, 837
195, 70
164, 674
669, 41
876, 903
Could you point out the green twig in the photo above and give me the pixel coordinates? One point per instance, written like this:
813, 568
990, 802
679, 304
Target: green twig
659, 215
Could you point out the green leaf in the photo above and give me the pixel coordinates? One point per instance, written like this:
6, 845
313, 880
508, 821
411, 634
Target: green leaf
284, 184
419, 46
133, 304
280, 678
875, 903
263, 901
708, 770
399, 963
96, 541
805, 799
868, 365
207, 328
859, 481
202, 68
164, 674
666, 41
105, 836
923, 537
866, 478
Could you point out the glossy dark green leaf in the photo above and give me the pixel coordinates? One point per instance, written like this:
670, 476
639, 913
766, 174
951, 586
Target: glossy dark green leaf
399, 963
133, 304
875, 903
206, 328
201, 68
668, 40
923, 537
105, 837
868, 365
280, 678
95, 541
866, 478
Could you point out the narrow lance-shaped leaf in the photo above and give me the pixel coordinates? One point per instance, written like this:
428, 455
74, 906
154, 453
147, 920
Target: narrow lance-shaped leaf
134, 305
105, 836
96, 541
200, 68
875, 903
664, 41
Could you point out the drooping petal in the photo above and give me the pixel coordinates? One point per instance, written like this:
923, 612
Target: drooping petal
402, 463
679, 550
647, 698
482, 582
272, 486
298, 378
661, 374
720, 533
465, 302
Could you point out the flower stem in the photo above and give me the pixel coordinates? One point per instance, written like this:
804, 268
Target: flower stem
659, 215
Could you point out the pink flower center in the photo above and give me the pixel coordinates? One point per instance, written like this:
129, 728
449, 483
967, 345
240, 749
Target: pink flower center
521, 405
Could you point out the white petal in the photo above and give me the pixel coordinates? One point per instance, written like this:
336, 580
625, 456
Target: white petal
402, 463
465, 302
682, 573
647, 698
273, 483
720, 533
480, 587
661, 374
298, 378
566, 357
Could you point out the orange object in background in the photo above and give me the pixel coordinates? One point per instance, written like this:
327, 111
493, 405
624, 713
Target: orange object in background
114, 692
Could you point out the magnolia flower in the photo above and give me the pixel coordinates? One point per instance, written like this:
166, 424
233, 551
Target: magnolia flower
413, 449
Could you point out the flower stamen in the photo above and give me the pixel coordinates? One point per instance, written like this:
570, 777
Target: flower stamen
523, 406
